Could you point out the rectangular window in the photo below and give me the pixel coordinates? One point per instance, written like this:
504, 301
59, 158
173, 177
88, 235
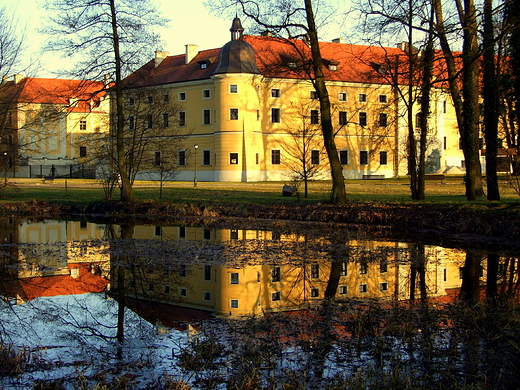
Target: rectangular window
275, 93
363, 157
207, 234
166, 119
276, 274
275, 115
233, 234
444, 107
315, 271
183, 271
206, 93
182, 118
314, 95
383, 158
183, 292
276, 296
342, 96
363, 268
343, 157
315, 117
207, 272
182, 158
233, 278
363, 288
363, 97
342, 290
382, 99
444, 143
83, 151
166, 99
149, 121
315, 292
233, 304
83, 125
157, 158
383, 119
131, 122
206, 117
182, 96
206, 295
344, 268
150, 99
233, 88
206, 157
383, 266
233, 158
182, 232
275, 157
233, 114
315, 157
362, 118
257, 158
343, 118
131, 101
383, 286
158, 230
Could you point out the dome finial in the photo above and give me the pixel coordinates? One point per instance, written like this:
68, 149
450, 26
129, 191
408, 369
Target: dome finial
236, 29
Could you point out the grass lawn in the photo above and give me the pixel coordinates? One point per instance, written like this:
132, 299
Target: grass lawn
79, 191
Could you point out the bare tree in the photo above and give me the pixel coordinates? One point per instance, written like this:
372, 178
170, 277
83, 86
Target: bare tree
304, 146
107, 39
292, 22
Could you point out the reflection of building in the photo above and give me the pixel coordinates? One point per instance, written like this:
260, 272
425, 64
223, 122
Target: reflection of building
235, 272
239, 104
51, 126
54, 258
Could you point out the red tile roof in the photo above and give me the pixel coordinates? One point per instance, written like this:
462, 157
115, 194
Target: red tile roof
56, 91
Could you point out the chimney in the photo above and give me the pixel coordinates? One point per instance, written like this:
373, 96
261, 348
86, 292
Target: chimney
17, 78
191, 52
5, 79
106, 80
338, 40
160, 56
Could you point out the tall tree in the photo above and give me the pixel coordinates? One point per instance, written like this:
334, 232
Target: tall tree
291, 21
465, 99
490, 96
105, 37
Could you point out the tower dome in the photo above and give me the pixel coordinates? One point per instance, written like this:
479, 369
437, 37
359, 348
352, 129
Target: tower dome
237, 56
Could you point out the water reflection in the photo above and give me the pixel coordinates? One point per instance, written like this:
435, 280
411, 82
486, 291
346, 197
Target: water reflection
233, 272
174, 277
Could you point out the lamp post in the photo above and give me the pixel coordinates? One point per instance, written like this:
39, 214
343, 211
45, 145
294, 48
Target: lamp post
195, 171
5, 169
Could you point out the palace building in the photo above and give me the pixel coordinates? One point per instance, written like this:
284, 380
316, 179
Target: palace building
51, 127
249, 112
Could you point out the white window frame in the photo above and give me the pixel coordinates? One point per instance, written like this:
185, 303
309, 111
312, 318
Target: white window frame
233, 89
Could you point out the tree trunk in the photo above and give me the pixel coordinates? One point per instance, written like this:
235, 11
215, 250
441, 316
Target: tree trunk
126, 186
490, 104
338, 182
470, 103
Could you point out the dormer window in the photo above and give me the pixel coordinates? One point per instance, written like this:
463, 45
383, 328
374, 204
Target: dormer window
204, 64
292, 65
333, 67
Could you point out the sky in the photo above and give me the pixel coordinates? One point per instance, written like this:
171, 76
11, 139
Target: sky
191, 23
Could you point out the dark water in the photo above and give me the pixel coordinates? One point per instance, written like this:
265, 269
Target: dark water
90, 304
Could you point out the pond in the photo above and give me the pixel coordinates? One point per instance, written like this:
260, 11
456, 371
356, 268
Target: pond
196, 307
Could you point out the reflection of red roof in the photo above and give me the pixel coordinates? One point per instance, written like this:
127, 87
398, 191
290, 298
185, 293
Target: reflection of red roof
50, 286
81, 95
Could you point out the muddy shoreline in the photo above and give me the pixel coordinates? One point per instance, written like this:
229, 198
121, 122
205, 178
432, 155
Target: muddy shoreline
493, 228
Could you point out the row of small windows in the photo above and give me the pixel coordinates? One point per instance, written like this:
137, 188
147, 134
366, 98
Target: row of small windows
315, 157
181, 97
276, 157
314, 117
276, 117
342, 96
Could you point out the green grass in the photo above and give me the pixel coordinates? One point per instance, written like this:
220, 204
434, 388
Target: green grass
76, 191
